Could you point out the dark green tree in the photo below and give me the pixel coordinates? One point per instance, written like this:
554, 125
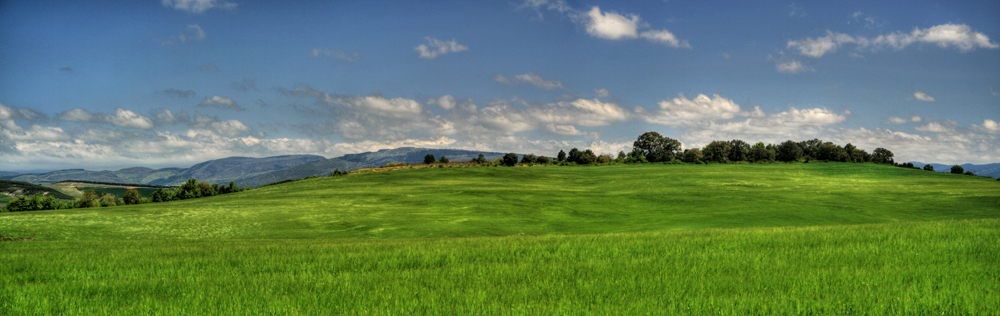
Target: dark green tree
481, 159
656, 147
739, 150
956, 169
882, 155
132, 197
444, 159
429, 159
928, 167
717, 151
692, 155
970, 173
561, 156
542, 160
789, 151
529, 158
510, 159
761, 154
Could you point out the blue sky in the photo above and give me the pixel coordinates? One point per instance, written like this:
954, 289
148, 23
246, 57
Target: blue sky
114, 84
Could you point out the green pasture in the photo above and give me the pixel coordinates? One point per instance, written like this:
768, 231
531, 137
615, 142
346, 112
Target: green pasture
911, 268
532, 201
779, 239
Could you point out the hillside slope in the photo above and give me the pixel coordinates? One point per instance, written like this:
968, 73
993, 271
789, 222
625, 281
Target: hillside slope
503, 201
18, 188
235, 168
363, 160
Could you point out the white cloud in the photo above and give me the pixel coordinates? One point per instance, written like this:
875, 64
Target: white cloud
536, 80
122, 118
221, 102
602, 93
446, 102
920, 95
681, 111
989, 126
502, 79
126, 118
197, 6
665, 37
328, 53
165, 116
944, 36
610, 25
568, 130
580, 112
554, 5
934, 127
395, 107
504, 117
897, 120
915, 119
792, 67
194, 33
821, 45
231, 128
435, 47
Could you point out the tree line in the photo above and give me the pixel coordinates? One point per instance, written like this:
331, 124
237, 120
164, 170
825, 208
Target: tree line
191, 189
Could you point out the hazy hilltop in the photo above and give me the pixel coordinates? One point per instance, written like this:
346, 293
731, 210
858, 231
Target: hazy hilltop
992, 169
363, 160
236, 168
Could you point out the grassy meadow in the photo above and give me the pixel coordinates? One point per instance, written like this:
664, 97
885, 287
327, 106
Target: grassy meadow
778, 239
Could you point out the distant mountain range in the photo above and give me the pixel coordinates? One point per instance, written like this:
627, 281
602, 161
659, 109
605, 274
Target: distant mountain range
992, 169
250, 171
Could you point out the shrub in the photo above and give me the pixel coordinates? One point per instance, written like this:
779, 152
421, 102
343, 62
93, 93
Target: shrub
956, 169
969, 173
510, 159
444, 159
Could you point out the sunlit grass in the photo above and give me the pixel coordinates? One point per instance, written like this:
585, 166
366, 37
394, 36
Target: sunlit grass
917, 268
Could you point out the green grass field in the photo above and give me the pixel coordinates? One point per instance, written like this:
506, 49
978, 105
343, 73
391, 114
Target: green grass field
647, 239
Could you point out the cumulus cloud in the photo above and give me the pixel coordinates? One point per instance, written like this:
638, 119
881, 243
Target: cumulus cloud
121, 118
446, 102
220, 102
665, 37
327, 53
792, 67
989, 126
920, 95
435, 47
610, 25
179, 93
934, 127
960, 36
502, 79
231, 128
897, 120
681, 111
915, 119
582, 112
198, 6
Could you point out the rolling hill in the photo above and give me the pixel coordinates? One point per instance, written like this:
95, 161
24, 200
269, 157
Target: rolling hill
236, 168
15, 189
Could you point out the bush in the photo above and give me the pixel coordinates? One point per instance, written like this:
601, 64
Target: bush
969, 173
956, 169
510, 159
444, 159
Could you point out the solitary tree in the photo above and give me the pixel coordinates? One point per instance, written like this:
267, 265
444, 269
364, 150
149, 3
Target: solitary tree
656, 147
429, 159
928, 167
132, 197
957, 169
481, 159
510, 159
882, 155
444, 159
